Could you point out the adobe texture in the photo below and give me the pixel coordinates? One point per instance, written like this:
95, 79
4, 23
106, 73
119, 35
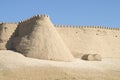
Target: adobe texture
91, 40
38, 38
80, 40
6, 31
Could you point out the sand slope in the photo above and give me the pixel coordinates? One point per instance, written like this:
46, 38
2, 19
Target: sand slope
14, 66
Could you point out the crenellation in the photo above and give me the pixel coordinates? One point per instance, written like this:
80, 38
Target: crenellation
38, 15
100, 32
59, 25
44, 15
87, 26
76, 26
34, 17
93, 26
110, 28
55, 25
62, 26
102, 27
99, 27
69, 26
90, 26
8, 23
106, 27
82, 27
96, 27
65, 26
72, 26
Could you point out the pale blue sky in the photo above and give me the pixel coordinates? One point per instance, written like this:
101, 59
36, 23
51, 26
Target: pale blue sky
71, 12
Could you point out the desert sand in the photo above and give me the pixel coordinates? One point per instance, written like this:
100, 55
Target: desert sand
14, 66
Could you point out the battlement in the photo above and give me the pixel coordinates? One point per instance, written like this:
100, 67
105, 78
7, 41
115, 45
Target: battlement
35, 17
2, 23
79, 39
94, 27
39, 16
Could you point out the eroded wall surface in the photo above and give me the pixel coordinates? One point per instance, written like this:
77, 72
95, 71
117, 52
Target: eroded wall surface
79, 39
38, 38
6, 31
91, 40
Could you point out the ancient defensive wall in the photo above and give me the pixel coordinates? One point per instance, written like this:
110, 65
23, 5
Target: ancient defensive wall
91, 40
6, 32
79, 39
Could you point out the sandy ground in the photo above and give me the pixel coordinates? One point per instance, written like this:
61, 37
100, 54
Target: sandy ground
17, 67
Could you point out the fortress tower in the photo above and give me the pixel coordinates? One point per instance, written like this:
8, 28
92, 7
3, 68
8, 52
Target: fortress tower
38, 38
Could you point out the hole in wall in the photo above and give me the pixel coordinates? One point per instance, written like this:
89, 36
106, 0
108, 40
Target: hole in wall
5, 28
115, 35
96, 33
1, 41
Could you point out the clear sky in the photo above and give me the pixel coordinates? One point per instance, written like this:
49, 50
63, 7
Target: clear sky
71, 12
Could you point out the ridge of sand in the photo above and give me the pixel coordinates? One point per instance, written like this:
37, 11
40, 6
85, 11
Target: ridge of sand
14, 66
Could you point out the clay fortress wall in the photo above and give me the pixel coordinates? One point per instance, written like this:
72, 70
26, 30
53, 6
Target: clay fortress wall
6, 31
91, 40
79, 39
